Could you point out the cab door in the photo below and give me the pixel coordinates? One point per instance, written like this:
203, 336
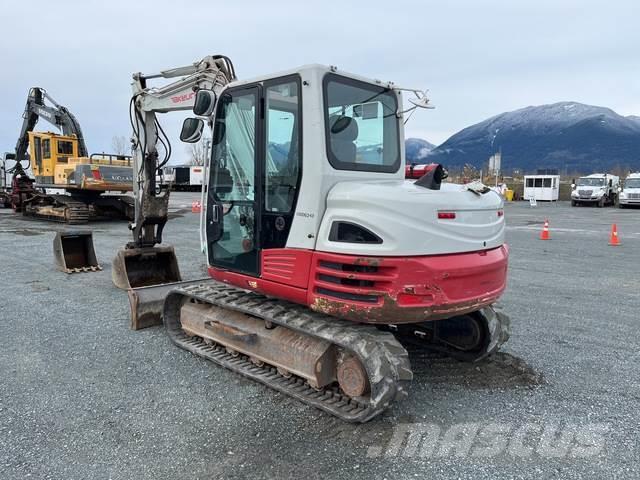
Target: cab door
255, 172
234, 200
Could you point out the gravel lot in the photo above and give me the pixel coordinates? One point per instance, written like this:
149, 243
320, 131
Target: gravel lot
82, 396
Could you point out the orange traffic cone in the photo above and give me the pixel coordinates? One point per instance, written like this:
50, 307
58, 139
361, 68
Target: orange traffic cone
613, 238
196, 207
544, 235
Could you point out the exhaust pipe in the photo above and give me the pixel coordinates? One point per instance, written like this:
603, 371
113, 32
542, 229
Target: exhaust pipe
73, 252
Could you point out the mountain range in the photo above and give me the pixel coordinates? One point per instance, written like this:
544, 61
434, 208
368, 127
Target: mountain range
568, 136
417, 149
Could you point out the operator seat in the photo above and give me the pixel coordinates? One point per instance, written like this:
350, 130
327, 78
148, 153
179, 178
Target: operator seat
343, 133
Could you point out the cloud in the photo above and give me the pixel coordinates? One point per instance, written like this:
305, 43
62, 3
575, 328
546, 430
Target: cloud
478, 58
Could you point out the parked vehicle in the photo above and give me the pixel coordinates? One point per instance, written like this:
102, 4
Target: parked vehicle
183, 177
630, 192
596, 189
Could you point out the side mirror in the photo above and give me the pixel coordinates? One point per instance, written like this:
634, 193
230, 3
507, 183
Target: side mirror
191, 130
205, 103
573, 186
9, 156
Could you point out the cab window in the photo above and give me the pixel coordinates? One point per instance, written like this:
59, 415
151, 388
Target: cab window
65, 147
46, 148
362, 131
283, 152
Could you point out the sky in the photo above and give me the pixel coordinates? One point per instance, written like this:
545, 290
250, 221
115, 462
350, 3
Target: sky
477, 58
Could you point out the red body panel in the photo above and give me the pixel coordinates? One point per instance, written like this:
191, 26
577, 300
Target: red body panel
380, 289
286, 265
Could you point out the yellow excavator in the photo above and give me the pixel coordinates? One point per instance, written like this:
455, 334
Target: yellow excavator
60, 162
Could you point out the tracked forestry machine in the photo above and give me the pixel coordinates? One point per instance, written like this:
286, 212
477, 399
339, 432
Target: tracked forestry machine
324, 261
60, 162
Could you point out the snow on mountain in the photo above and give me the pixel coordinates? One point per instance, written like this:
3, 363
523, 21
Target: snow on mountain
417, 150
564, 135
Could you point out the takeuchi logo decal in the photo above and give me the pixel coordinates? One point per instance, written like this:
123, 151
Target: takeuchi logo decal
183, 98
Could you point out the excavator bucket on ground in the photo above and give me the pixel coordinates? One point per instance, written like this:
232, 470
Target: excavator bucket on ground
147, 303
148, 274
73, 252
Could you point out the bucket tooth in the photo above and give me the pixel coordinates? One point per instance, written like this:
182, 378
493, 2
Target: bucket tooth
73, 252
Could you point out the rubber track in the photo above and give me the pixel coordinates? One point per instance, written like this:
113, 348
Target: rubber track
497, 326
384, 358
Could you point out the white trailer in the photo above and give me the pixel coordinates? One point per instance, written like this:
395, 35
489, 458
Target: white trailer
541, 187
182, 177
630, 193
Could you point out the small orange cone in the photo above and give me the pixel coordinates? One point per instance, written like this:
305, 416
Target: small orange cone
544, 235
613, 238
196, 207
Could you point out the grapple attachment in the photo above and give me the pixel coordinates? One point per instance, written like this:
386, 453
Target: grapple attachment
144, 267
73, 252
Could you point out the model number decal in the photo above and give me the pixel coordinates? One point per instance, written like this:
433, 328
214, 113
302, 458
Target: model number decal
305, 214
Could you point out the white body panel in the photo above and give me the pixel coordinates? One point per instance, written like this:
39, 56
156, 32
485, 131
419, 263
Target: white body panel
541, 187
405, 216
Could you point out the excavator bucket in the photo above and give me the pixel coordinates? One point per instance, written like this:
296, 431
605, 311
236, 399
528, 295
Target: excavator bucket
144, 267
73, 252
148, 274
147, 303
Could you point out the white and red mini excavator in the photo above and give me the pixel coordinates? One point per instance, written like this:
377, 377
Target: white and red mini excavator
324, 261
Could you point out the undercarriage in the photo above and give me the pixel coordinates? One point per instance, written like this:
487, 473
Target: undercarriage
77, 208
352, 371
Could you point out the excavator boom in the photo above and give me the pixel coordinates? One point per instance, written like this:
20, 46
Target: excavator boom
57, 115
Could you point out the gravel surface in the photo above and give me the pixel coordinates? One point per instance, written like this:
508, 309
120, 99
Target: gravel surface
82, 396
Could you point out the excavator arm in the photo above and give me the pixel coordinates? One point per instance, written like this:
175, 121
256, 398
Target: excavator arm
143, 262
55, 114
210, 73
